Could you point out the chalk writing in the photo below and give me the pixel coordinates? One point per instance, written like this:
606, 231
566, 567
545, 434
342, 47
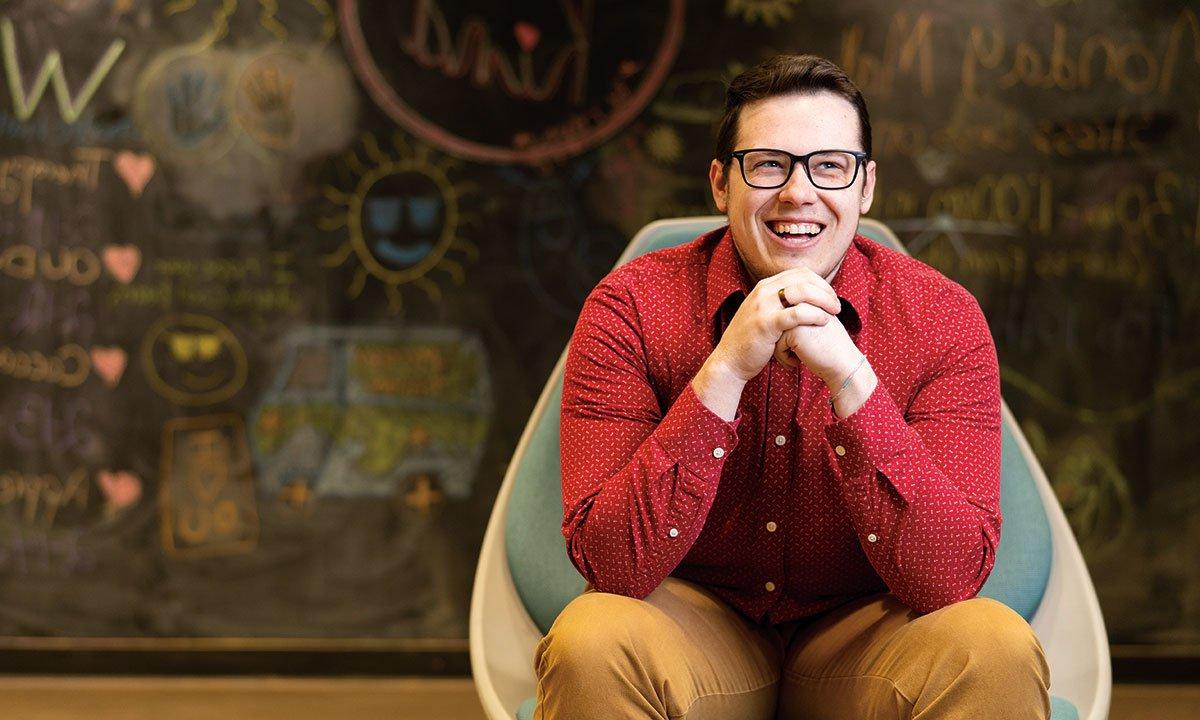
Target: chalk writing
430, 45
39, 422
19, 173
1025, 200
40, 497
768, 12
46, 130
67, 367
45, 553
77, 265
570, 83
1139, 209
207, 505
1116, 135
67, 312
907, 50
24, 104
1134, 66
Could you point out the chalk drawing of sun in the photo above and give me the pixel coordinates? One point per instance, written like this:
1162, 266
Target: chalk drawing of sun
280, 22
768, 12
402, 217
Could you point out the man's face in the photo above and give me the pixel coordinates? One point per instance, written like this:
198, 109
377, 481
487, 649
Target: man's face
798, 124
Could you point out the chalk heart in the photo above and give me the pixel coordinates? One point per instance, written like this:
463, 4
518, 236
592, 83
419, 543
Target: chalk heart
135, 169
527, 35
109, 364
122, 488
122, 261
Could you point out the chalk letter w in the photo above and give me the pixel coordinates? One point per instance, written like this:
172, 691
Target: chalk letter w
70, 110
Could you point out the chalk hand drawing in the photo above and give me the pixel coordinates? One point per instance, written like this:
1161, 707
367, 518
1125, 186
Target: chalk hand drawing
25, 104
135, 169
122, 262
121, 489
109, 363
273, 122
196, 108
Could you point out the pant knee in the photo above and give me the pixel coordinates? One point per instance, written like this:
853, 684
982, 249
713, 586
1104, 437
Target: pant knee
986, 632
596, 633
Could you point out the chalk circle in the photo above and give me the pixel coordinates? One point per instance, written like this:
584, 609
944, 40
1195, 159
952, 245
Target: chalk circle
227, 367
386, 96
402, 219
182, 104
265, 97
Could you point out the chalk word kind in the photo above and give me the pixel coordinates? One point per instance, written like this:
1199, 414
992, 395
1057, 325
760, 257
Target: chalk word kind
41, 496
19, 173
550, 89
67, 367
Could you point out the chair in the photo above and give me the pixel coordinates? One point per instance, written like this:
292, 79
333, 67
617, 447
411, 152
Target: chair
524, 577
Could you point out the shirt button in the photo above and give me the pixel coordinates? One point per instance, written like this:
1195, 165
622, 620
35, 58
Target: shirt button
780, 440
770, 586
772, 527
718, 452
840, 450
674, 532
872, 537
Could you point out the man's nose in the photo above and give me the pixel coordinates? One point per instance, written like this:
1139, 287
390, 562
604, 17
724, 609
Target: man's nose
798, 189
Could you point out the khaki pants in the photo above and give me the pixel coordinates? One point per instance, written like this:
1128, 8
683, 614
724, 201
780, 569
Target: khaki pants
682, 653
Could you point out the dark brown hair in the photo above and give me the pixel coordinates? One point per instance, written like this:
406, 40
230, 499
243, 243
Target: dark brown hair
788, 75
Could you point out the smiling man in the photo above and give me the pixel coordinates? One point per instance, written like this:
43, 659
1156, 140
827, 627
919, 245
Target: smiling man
781, 456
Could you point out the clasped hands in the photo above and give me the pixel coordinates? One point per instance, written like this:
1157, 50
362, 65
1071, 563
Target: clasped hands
805, 331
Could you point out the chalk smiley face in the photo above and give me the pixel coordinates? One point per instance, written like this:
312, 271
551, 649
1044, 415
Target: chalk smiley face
193, 360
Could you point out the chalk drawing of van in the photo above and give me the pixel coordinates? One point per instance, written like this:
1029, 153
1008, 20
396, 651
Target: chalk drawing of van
372, 412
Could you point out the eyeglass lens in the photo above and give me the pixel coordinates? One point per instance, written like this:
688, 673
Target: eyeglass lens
828, 170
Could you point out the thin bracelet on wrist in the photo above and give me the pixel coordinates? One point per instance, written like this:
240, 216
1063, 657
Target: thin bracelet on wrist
846, 383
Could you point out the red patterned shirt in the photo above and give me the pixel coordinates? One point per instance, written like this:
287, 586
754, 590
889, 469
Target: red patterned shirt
786, 510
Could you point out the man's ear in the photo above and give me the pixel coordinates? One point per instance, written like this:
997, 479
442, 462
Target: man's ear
868, 195
719, 183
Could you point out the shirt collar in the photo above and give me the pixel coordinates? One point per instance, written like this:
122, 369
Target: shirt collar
727, 276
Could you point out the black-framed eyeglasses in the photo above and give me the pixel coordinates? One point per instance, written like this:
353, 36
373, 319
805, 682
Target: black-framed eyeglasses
767, 168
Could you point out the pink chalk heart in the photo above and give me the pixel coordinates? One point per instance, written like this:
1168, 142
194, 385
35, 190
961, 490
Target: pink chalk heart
109, 364
122, 261
135, 169
527, 35
121, 488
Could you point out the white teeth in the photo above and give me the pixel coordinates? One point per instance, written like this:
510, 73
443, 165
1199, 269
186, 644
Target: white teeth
797, 228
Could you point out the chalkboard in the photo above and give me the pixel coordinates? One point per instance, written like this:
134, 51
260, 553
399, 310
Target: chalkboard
281, 281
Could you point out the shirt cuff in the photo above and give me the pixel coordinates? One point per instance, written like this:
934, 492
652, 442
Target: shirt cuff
696, 437
872, 438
